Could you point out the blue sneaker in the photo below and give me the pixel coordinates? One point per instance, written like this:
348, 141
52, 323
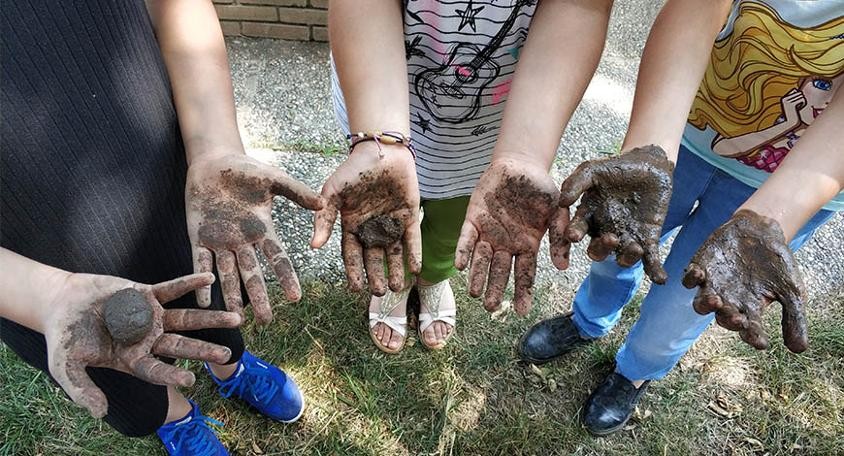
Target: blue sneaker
265, 387
192, 435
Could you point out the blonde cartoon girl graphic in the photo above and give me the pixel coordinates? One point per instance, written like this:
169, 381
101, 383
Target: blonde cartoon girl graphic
766, 83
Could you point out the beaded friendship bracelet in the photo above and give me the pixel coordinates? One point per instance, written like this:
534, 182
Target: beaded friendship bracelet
381, 137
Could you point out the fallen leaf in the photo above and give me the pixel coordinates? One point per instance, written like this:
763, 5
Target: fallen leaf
756, 444
501, 313
256, 449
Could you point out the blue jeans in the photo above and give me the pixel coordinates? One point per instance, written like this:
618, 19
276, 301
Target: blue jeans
667, 324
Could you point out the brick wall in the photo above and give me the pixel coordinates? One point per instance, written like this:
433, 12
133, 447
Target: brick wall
302, 20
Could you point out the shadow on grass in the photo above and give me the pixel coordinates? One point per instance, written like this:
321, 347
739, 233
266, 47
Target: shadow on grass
474, 397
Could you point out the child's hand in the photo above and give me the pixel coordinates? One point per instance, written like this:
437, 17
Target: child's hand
378, 201
625, 201
78, 337
744, 266
229, 202
507, 216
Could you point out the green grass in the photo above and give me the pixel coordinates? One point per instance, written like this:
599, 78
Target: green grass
474, 398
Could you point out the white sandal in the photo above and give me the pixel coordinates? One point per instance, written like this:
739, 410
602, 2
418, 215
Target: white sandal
432, 298
388, 303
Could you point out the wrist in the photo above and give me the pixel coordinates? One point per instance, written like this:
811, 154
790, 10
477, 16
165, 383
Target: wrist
199, 149
58, 286
522, 158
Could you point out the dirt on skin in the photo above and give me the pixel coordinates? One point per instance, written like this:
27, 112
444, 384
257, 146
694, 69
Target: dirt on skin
517, 216
228, 220
380, 231
624, 206
128, 316
742, 266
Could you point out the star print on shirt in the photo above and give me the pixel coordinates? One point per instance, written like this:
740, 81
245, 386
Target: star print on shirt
423, 123
467, 16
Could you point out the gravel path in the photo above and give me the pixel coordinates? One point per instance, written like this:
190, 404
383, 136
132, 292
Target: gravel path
283, 103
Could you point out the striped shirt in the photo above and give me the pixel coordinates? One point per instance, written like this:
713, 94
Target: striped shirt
461, 58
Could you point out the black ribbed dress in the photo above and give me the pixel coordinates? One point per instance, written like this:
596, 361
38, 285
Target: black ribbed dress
92, 167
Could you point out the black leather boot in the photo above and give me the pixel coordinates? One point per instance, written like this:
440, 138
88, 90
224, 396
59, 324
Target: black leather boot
611, 405
550, 339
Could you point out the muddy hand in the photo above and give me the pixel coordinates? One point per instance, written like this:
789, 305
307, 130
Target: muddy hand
78, 335
744, 266
378, 202
229, 204
625, 201
507, 216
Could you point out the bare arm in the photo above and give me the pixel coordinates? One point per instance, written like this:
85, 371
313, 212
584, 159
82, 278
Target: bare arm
514, 202
194, 52
673, 64
228, 195
367, 42
558, 60
27, 288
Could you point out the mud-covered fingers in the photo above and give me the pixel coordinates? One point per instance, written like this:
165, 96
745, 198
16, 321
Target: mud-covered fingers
694, 275
602, 246
481, 258
74, 380
795, 330
151, 370
465, 245
560, 245
280, 263
653, 264
374, 261
706, 301
282, 184
579, 225
754, 334
181, 347
499, 275
165, 292
395, 267
352, 253
324, 221
229, 280
728, 317
578, 182
525, 272
413, 246
629, 253
203, 262
253, 279
194, 319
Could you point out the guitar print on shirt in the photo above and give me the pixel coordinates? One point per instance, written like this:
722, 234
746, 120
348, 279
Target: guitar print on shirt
452, 92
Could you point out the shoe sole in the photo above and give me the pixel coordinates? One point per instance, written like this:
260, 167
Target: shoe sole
607, 432
301, 412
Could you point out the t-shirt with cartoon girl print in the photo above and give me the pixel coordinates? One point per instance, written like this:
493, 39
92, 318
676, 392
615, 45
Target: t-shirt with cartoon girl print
773, 70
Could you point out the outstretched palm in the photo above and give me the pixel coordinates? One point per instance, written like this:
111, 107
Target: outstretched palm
229, 205
507, 216
378, 202
625, 201
744, 266
77, 336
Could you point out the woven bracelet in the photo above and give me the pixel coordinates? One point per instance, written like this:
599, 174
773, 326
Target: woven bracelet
381, 137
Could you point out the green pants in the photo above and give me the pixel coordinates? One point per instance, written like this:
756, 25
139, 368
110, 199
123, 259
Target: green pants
441, 225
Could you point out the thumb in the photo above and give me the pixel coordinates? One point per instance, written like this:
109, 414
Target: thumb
559, 243
324, 219
284, 185
78, 385
578, 182
795, 331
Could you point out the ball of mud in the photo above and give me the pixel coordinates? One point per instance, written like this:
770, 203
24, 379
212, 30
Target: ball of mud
128, 316
380, 231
